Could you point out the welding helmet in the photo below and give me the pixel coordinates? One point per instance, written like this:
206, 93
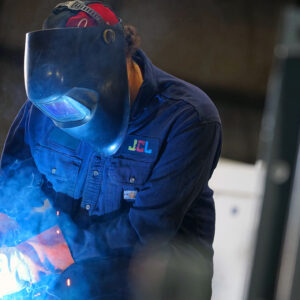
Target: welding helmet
77, 76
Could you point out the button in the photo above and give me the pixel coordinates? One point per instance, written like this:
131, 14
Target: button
88, 207
95, 173
53, 171
132, 180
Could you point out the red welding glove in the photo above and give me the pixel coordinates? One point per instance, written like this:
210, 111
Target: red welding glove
46, 252
28, 262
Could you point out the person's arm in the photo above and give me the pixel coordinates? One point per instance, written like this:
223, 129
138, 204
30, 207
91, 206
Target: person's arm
21, 183
189, 156
20, 193
19, 176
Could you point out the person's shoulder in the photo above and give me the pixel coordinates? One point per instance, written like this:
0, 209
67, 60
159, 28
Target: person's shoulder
175, 89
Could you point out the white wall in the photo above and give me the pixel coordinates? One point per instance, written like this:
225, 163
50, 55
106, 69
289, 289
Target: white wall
237, 187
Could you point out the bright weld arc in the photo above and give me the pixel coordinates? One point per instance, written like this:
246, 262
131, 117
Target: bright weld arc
9, 285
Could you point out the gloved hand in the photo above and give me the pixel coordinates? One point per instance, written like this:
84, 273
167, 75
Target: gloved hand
14, 271
42, 255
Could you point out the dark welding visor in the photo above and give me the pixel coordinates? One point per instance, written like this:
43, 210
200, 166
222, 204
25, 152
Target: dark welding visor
78, 78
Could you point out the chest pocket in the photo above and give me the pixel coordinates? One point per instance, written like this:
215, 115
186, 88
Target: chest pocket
123, 176
60, 169
129, 172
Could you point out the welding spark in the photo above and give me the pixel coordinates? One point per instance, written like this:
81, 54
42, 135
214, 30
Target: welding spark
57, 213
68, 282
37, 295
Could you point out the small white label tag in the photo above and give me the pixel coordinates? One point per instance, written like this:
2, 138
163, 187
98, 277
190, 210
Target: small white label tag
129, 195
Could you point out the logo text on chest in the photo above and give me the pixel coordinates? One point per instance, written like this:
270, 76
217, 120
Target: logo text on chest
140, 146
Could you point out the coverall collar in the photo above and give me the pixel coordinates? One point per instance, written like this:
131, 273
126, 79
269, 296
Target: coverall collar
149, 86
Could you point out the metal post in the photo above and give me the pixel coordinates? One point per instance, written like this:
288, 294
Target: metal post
279, 140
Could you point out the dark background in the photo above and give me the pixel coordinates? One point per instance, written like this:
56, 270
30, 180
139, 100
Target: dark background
223, 46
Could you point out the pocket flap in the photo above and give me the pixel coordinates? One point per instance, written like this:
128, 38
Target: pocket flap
59, 168
129, 172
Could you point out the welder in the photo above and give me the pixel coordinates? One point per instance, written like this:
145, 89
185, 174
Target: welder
121, 150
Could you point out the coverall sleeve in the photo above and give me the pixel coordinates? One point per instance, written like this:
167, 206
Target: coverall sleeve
18, 174
186, 163
21, 183
14, 147
20, 192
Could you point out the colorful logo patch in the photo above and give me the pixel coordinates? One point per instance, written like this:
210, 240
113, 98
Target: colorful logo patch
143, 148
140, 146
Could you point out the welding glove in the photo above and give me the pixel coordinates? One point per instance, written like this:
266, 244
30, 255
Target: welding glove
44, 254
14, 271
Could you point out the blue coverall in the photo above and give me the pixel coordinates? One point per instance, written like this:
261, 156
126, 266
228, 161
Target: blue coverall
156, 184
